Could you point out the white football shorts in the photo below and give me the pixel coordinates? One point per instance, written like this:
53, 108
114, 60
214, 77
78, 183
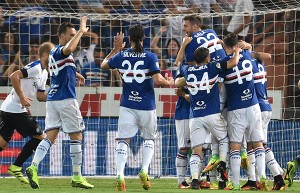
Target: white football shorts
201, 127
64, 114
265, 117
130, 120
246, 121
183, 133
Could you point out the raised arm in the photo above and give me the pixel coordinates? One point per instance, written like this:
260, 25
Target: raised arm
261, 55
154, 44
235, 59
180, 55
118, 46
72, 44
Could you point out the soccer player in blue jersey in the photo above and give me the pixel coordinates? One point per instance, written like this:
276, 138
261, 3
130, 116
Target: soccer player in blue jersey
139, 69
201, 80
260, 83
62, 110
182, 118
206, 38
244, 115
28, 83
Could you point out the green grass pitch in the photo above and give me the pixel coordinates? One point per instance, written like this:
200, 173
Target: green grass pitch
106, 185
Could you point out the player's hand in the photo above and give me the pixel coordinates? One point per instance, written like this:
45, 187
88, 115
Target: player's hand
238, 50
25, 102
299, 84
162, 30
170, 80
118, 41
83, 27
186, 40
80, 78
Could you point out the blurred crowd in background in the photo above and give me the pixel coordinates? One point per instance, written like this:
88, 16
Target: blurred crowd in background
33, 22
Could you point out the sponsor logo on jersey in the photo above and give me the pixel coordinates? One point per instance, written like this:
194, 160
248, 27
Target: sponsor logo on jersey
201, 105
135, 96
247, 95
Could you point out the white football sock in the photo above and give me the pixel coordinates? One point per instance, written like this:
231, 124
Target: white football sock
41, 151
148, 151
76, 156
181, 166
224, 149
260, 161
121, 157
251, 166
271, 162
235, 166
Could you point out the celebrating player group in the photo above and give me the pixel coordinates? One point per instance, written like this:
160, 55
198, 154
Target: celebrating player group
222, 106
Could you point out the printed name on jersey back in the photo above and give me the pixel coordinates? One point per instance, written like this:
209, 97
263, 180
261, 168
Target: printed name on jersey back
192, 68
199, 34
134, 55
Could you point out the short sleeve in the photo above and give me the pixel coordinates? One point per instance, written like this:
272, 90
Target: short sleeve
154, 65
42, 86
114, 62
31, 70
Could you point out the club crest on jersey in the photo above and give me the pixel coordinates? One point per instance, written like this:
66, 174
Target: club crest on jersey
200, 105
35, 85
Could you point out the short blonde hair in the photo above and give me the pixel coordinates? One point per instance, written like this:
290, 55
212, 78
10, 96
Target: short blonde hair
46, 47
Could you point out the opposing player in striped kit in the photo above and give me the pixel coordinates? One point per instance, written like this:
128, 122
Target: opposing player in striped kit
62, 110
139, 69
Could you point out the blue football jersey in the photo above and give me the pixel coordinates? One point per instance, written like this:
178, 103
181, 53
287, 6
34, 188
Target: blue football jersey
62, 75
183, 107
136, 70
260, 83
203, 88
239, 83
208, 39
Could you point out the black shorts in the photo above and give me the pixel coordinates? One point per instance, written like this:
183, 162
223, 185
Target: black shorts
22, 122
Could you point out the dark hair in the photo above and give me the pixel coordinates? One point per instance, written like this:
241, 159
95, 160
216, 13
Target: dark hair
35, 40
173, 39
201, 54
231, 40
63, 28
194, 19
136, 34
